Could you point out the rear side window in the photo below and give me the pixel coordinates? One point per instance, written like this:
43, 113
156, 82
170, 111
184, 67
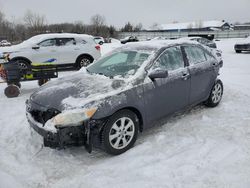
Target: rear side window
66, 41
195, 55
171, 59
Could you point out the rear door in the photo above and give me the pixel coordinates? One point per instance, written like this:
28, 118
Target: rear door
67, 50
202, 70
164, 96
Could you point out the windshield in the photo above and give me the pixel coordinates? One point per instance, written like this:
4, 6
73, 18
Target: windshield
122, 64
32, 40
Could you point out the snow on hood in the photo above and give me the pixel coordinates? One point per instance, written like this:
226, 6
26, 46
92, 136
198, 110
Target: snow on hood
14, 48
76, 91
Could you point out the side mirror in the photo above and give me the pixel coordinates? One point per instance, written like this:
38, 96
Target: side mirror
158, 73
35, 47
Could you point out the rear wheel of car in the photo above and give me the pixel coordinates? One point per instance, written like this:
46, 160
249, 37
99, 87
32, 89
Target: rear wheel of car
12, 91
83, 61
238, 51
120, 132
215, 95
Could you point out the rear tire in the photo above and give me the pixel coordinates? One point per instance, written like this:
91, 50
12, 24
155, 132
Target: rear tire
215, 95
238, 51
11, 91
83, 61
120, 132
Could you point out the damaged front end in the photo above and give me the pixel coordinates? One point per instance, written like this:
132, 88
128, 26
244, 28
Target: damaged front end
59, 130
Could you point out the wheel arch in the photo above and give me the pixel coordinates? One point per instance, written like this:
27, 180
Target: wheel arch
138, 114
84, 55
21, 58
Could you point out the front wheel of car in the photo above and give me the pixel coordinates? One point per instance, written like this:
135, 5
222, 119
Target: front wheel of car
23, 64
83, 61
120, 132
238, 51
215, 95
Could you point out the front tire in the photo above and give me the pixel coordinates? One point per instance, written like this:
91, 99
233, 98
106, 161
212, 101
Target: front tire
120, 132
23, 65
215, 95
238, 51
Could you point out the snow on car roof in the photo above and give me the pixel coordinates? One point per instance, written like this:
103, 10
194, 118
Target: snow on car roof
57, 35
155, 45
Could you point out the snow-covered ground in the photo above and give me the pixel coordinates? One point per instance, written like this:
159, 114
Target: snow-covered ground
203, 147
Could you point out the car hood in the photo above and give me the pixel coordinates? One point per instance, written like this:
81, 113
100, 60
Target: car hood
75, 91
14, 48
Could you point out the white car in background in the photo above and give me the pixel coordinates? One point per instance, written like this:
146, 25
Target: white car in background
64, 49
5, 43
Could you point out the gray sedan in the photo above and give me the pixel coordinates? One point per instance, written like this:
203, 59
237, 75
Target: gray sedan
123, 93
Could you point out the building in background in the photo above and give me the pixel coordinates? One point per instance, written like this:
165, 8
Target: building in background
213, 25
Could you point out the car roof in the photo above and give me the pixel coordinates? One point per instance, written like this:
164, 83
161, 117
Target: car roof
156, 45
190, 38
64, 35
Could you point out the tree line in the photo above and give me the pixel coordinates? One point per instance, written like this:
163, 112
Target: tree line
33, 24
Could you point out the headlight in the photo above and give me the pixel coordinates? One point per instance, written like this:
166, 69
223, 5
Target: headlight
73, 117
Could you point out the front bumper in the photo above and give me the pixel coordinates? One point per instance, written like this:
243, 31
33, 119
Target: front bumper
62, 137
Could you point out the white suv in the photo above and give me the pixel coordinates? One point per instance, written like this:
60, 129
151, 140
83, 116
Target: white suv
63, 49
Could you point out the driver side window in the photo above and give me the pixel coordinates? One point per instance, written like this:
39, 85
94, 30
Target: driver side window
48, 42
171, 59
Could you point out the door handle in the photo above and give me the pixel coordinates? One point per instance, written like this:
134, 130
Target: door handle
185, 76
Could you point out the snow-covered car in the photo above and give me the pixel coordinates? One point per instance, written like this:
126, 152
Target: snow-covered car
243, 45
99, 40
129, 39
204, 41
123, 93
63, 49
4, 43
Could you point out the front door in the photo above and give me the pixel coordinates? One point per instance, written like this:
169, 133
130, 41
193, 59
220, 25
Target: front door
164, 96
47, 52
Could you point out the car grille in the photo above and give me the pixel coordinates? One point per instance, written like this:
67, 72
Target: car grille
43, 116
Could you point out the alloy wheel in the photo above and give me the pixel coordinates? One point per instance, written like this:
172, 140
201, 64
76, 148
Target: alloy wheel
121, 133
217, 93
84, 62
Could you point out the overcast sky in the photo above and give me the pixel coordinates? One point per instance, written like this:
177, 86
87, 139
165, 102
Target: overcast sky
119, 12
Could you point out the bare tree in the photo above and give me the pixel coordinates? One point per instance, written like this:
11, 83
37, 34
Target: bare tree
138, 27
190, 26
97, 20
35, 22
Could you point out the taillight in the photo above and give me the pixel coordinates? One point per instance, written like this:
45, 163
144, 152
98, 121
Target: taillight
97, 47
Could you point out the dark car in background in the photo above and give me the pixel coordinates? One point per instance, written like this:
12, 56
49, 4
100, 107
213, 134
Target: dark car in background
243, 45
123, 93
204, 41
129, 39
